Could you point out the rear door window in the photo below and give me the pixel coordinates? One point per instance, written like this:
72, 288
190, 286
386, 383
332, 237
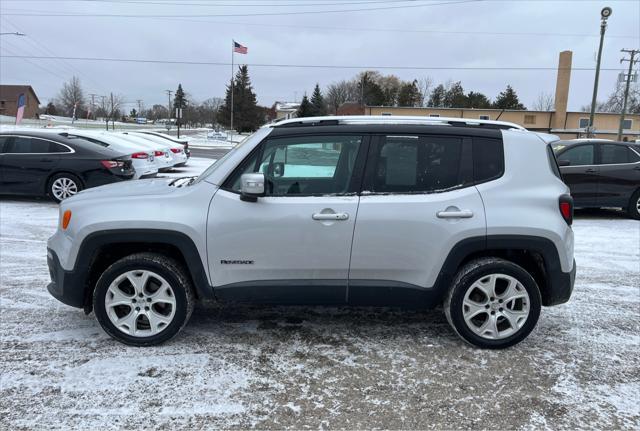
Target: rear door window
615, 154
578, 155
26, 145
414, 164
488, 159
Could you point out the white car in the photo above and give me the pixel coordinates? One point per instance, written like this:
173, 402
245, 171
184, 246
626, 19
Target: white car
182, 141
142, 158
177, 150
163, 155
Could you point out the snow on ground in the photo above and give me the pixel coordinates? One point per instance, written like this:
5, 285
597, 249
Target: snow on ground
276, 367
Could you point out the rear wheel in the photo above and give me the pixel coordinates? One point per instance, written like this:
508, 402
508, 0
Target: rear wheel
63, 185
143, 299
634, 206
493, 303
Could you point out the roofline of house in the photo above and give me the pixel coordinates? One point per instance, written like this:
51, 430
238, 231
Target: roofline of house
492, 109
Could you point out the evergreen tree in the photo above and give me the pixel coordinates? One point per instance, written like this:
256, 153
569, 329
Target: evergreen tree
306, 108
179, 102
436, 100
409, 94
454, 97
508, 99
477, 100
371, 92
51, 109
318, 106
246, 114
133, 113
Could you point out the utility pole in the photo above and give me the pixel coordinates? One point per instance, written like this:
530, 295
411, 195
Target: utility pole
629, 77
169, 105
139, 101
113, 123
104, 108
605, 13
93, 103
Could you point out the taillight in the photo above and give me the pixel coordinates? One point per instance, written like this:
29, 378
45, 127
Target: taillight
159, 153
110, 164
139, 156
566, 208
176, 150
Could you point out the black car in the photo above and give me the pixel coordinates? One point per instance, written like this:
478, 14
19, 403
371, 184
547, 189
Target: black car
45, 163
601, 173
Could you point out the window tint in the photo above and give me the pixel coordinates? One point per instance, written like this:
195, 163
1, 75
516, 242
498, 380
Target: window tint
303, 165
612, 154
579, 155
488, 159
414, 164
3, 140
25, 145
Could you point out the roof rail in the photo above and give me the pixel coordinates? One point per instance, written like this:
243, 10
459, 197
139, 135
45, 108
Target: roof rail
389, 119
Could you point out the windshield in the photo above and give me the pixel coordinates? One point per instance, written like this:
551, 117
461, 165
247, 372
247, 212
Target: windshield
215, 165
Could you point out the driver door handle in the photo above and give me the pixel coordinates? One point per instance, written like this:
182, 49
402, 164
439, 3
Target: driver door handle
330, 216
455, 214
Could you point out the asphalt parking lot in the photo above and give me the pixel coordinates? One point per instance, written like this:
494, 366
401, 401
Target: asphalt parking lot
272, 367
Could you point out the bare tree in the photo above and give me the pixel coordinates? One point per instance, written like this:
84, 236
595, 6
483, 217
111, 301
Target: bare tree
424, 85
340, 92
544, 102
71, 96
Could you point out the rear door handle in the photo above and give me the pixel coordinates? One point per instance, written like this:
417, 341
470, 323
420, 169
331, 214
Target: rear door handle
455, 214
590, 171
330, 216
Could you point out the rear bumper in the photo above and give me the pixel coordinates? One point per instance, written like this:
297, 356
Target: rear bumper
66, 286
560, 286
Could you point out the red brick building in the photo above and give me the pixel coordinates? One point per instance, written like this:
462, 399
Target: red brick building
9, 100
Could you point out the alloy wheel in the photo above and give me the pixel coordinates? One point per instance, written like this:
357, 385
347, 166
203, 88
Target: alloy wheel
63, 188
140, 303
496, 306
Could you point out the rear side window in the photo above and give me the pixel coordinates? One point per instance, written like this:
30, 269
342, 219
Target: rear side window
3, 141
57, 148
615, 154
553, 163
24, 145
488, 159
415, 164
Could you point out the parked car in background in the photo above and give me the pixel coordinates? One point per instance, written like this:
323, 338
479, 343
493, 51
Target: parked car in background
142, 158
182, 141
44, 163
177, 149
601, 173
162, 152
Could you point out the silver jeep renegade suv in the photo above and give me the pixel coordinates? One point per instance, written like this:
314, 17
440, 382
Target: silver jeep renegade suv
400, 211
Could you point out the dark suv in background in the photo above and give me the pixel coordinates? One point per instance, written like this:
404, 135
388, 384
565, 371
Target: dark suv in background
601, 173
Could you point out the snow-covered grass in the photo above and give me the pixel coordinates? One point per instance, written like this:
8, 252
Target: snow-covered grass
306, 367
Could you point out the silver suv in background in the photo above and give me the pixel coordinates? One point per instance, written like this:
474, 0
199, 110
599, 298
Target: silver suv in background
402, 211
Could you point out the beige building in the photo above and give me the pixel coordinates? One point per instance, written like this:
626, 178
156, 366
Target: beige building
559, 122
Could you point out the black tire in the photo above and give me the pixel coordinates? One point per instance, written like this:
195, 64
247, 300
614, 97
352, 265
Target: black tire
66, 178
172, 272
474, 271
633, 210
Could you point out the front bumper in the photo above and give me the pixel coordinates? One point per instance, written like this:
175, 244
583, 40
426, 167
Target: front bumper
66, 286
560, 286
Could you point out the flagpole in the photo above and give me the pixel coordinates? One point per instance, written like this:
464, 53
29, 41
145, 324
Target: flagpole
231, 128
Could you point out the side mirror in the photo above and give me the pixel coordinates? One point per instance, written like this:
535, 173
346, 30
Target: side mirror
562, 162
251, 186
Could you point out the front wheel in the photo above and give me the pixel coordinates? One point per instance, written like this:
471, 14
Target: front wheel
143, 299
493, 303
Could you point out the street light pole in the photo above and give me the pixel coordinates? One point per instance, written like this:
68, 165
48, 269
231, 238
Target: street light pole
605, 13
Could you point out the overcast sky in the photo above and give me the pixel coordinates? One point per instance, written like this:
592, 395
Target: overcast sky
414, 33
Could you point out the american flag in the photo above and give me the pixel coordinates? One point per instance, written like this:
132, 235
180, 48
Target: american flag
239, 48
20, 111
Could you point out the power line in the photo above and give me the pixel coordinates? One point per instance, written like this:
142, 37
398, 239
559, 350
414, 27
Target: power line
303, 4
316, 12
299, 66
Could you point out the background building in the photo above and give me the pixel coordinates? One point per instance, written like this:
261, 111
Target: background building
9, 100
